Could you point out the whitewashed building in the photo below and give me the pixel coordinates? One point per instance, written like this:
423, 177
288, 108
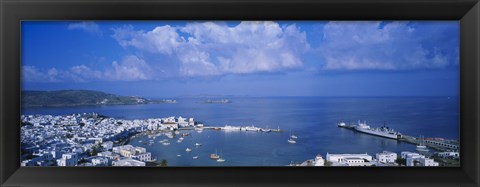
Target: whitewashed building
349, 159
386, 157
128, 162
319, 161
68, 159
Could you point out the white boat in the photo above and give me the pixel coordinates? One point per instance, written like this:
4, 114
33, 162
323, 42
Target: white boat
342, 124
166, 143
291, 141
198, 144
293, 136
252, 128
195, 157
231, 128
220, 159
179, 155
421, 147
176, 132
382, 131
214, 156
181, 138
179, 141
188, 149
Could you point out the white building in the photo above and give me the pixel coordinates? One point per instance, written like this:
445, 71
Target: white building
411, 158
449, 154
128, 162
129, 151
386, 157
69, 159
427, 162
319, 161
107, 145
100, 161
349, 159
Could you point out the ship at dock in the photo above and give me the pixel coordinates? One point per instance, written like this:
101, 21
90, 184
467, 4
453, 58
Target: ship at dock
383, 131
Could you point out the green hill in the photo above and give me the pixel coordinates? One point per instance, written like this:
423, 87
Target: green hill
76, 98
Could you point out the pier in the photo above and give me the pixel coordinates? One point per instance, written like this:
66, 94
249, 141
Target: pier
436, 145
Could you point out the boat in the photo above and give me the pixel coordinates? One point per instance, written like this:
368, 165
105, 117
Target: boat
293, 136
181, 138
342, 124
265, 130
176, 132
384, 131
198, 144
252, 128
421, 147
179, 155
185, 134
220, 159
195, 157
214, 156
166, 143
231, 128
291, 141
188, 149
179, 141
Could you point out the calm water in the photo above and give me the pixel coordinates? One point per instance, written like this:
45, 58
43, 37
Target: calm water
312, 119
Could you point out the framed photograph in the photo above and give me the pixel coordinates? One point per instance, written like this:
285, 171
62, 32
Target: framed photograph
216, 92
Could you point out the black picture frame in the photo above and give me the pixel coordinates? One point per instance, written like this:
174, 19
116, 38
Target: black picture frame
467, 12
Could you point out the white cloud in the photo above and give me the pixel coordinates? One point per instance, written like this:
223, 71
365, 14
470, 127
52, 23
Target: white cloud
131, 68
33, 74
87, 26
214, 48
368, 46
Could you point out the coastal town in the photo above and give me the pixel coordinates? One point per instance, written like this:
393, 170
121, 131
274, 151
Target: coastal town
91, 139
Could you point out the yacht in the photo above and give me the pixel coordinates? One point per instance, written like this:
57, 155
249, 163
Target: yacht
291, 141
293, 136
220, 159
214, 156
421, 147
252, 128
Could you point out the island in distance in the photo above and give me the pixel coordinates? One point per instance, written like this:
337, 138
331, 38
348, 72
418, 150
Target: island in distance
62, 98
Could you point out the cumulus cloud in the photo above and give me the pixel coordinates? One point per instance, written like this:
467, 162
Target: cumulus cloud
87, 26
381, 46
131, 68
214, 48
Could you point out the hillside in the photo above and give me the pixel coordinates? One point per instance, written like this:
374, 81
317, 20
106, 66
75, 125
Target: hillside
76, 98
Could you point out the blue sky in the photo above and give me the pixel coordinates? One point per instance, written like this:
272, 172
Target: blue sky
281, 58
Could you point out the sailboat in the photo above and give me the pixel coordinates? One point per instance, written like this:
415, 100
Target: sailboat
293, 136
421, 147
291, 141
215, 155
220, 159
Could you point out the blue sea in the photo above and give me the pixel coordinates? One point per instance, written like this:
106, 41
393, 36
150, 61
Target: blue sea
313, 119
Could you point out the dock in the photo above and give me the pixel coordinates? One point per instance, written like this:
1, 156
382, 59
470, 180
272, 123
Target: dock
406, 139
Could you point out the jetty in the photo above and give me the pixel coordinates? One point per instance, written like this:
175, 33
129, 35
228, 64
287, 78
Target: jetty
438, 144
